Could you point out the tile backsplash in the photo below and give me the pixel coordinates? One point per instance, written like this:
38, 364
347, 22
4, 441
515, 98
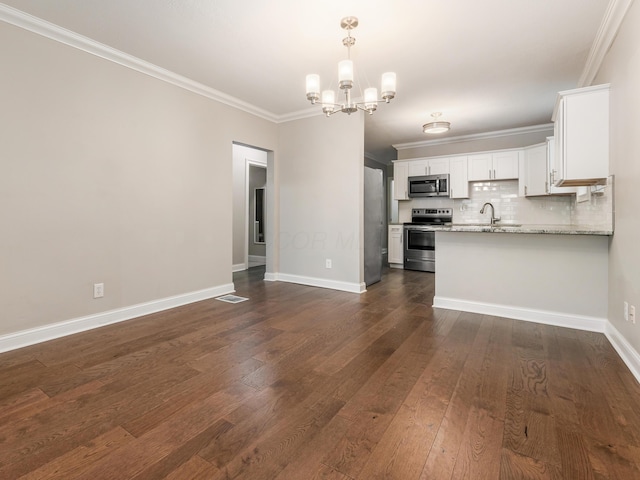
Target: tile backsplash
596, 210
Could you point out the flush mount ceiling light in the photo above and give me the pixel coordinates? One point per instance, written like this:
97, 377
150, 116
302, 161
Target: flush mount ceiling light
345, 77
436, 126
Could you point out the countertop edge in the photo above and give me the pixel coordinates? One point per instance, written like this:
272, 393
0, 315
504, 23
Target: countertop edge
534, 229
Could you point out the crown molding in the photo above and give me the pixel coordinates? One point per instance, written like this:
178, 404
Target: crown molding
54, 32
547, 127
613, 17
299, 115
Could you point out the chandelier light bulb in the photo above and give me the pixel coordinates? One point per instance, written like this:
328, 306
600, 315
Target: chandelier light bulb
388, 85
345, 73
328, 101
313, 87
371, 99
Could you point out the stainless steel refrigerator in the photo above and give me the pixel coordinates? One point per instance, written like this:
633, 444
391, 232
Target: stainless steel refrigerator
374, 206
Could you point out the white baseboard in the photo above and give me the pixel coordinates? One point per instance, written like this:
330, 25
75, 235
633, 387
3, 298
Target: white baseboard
45, 333
255, 260
580, 322
270, 277
317, 282
238, 267
628, 354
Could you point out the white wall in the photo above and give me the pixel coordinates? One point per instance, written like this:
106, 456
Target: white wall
621, 68
320, 170
108, 175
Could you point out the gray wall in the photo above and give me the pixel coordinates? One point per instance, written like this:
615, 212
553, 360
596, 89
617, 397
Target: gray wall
621, 68
108, 175
320, 177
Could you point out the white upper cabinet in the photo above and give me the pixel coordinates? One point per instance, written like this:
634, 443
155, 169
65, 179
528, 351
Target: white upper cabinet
581, 131
400, 181
428, 166
459, 177
534, 177
438, 166
552, 189
418, 167
494, 166
505, 165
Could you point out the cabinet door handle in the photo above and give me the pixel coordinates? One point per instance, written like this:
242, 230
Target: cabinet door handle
525, 190
494, 173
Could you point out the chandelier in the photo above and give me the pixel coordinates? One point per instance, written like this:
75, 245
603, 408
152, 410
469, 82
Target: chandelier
345, 78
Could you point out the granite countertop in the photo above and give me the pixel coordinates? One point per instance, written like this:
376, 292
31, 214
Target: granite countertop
532, 228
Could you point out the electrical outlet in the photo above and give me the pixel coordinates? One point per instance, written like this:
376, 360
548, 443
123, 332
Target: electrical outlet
98, 290
626, 311
327, 263
632, 313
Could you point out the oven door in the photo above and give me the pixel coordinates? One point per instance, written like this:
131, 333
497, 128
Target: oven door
419, 248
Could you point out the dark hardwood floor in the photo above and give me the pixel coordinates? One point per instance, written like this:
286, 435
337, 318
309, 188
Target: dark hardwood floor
303, 383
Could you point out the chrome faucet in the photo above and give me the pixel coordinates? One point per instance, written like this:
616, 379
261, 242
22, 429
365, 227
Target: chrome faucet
494, 219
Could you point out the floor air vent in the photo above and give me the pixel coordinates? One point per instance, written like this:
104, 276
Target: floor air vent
231, 299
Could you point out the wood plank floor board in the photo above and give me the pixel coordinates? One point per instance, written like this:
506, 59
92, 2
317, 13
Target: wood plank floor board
193, 389
260, 414
269, 454
194, 469
77, 461
309, 457
402, 451
176, 432
466, 356
17, 405
301, 383
513, 465
374, 407
481, 447
176, 460
387, 319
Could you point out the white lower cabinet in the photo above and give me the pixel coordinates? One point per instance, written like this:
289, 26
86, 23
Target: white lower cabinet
396, 252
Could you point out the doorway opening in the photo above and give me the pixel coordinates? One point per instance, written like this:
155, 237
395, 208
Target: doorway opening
250, 207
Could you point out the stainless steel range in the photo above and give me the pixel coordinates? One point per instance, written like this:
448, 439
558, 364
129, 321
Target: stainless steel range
420, 239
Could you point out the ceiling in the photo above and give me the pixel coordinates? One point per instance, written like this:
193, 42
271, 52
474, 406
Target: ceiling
486, 65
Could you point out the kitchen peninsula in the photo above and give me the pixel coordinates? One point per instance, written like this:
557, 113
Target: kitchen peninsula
553, 278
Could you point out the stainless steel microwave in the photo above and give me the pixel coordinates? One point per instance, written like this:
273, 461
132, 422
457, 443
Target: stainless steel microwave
429, 186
